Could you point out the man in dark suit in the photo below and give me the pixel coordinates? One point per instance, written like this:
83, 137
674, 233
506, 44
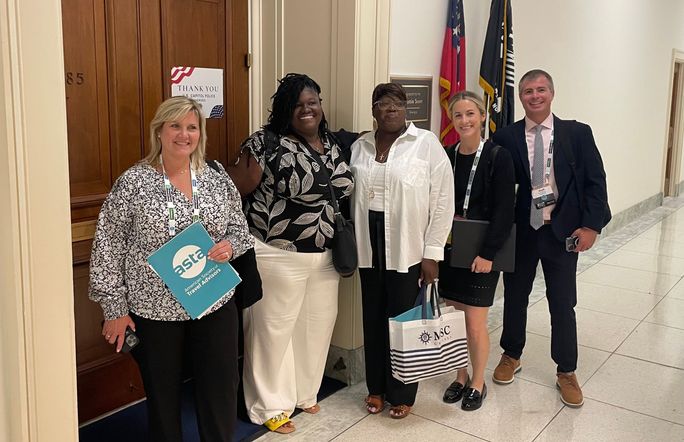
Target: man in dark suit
561, 206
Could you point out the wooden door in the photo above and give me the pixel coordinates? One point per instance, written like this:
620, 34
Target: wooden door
118, 57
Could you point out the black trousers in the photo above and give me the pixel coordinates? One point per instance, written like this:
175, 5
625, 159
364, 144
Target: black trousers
560, 269
385, 293
212, 343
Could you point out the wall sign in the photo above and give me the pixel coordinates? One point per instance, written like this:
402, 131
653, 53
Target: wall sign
419, 95
205, 85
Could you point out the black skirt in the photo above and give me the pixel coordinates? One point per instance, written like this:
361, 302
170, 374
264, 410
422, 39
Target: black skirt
462, 285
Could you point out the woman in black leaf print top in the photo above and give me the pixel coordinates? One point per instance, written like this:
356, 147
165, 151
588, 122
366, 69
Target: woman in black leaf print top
287, 333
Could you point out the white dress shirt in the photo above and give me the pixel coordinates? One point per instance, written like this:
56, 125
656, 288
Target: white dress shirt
418, 203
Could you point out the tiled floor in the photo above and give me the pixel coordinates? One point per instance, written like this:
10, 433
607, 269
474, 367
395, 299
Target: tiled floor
630, 317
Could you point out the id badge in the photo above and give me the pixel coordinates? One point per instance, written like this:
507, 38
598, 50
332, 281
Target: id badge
543, 196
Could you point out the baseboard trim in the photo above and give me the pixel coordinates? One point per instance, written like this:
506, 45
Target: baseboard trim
628, 215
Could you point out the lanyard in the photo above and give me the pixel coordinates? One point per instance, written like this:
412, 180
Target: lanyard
171, 207
471, 177
549, 160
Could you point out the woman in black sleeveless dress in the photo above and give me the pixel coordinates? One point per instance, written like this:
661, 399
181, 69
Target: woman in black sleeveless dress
484, 190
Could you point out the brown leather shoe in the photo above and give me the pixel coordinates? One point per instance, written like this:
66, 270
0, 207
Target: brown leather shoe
570, 391
505, 371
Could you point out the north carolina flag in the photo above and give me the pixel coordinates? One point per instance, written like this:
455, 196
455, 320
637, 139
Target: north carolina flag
452, 73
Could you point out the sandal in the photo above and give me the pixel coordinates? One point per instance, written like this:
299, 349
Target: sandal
280, 424
315, 408
374, 403
400, 411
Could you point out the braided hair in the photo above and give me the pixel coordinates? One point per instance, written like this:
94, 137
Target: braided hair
284, 101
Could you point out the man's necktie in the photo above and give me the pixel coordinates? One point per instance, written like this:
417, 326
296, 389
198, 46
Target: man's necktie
536, 215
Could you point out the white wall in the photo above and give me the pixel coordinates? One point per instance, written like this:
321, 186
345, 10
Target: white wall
611, 62
416, 37
610, 59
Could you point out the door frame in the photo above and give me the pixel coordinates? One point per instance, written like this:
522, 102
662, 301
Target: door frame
678, 129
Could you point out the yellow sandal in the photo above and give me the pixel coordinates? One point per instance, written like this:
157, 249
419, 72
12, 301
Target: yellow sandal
280, 424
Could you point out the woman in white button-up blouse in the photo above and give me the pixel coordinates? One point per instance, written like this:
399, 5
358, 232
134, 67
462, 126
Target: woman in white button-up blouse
403, 207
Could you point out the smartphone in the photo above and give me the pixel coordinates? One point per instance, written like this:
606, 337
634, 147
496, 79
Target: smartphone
571, 243
130, 340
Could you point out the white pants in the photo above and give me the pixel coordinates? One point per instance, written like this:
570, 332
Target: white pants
288, 332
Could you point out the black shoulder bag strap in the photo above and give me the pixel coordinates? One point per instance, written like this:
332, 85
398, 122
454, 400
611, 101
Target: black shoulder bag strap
490, 177
317, 158
272, 142
214, 165
573, 167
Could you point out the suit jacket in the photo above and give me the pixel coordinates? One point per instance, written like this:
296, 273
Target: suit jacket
578, 169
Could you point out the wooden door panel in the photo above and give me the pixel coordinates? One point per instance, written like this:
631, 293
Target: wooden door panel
86, 92
151, 75
125, 92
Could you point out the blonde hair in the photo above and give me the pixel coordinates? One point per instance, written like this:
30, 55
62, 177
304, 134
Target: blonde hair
466, 95
174, 109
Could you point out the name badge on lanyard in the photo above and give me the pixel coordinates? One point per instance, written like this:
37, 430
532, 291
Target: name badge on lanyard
171, 206
543, 196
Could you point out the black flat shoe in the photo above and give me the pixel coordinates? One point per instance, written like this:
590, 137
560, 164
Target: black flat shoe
472, 399
454, 392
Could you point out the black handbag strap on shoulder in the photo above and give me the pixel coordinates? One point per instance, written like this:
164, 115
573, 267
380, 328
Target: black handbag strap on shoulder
317, 158
214, 165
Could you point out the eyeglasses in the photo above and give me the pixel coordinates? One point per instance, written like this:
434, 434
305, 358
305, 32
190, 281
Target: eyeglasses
384, 105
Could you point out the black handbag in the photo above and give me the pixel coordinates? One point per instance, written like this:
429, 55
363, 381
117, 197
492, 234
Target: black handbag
249, 290
344, 255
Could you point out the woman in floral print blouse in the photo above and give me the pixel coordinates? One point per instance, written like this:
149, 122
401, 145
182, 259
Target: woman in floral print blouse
288, 332
161, 195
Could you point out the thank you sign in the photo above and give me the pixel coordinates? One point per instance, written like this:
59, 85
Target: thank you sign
204, 85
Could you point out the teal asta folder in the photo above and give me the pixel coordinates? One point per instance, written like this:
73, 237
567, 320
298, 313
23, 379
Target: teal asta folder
197, 282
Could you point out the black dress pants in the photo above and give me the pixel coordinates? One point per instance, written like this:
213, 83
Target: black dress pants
560, 269
212, 345
385, 293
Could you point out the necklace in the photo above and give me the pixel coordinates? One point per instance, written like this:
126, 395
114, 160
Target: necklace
381, 158
372, 175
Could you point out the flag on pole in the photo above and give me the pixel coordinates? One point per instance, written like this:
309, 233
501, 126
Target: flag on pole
452, 73
497, 73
